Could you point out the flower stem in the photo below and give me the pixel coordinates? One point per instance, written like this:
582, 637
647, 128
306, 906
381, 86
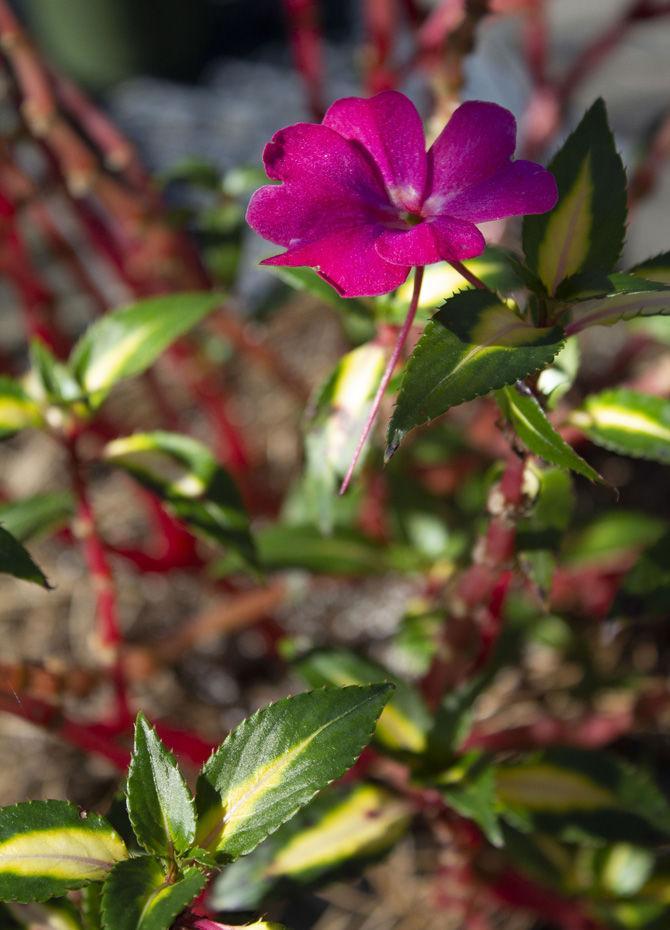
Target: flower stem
386, 377
468, 275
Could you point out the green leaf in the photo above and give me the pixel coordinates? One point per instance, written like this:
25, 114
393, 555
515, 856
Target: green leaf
17, 409
627, 422
536, 432
160, 805
344, 552
185, 474
138, 896
475, 344
583, 795
338, 828
470, 788
17, 561
585, 230
405, 720
277, 760
341, 408
37, 515
50, 847
127, 341
613, 308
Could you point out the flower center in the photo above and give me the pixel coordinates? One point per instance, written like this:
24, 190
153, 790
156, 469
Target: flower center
411, 219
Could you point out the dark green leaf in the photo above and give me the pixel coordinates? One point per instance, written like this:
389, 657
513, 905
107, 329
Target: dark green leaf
586, 228
17, 561
277, 760
127, 341
160, 805
627, 422
536, 432
50, 847
404, 721
185, 474
138, 896
475, 344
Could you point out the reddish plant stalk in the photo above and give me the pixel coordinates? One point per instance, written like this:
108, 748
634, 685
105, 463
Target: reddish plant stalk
469, 276
306, 43
381, 24
386, 377
86, 531
53, 720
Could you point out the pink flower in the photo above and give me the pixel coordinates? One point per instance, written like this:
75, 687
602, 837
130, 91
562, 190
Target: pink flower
362, 201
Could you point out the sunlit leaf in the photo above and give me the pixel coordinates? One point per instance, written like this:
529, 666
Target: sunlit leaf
586, 228
404, 721
49, 847
536, 432
17, 410
277, 760
126, 342
160, 805
474, 345
627, 422
185, 474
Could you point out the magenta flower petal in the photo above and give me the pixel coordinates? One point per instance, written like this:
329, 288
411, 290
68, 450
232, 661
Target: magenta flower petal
390, 128
432, 241
328, 185
521, 188
347, 259
478, 140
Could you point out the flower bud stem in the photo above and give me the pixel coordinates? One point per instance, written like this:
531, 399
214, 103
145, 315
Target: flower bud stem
386, 377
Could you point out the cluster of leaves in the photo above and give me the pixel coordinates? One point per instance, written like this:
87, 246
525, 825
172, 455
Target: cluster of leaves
145, 874
580, 823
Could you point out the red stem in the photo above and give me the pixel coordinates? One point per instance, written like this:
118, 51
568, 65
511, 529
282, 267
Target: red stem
101, 576
386, 377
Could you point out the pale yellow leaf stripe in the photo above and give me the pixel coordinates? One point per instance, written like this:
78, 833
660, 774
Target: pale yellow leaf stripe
394, 727
62, 853
570, 226
241, 800
368, 820
493, 332
547, 788
626, 421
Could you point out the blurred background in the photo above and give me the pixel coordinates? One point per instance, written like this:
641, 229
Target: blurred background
198, 87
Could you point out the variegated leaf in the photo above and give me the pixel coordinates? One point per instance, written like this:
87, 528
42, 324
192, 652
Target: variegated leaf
627, 422
50, 847
405, 720
127, 341
139, 896
474, 345
277, 760
586, 228
17, 409
613, 308
160, 805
